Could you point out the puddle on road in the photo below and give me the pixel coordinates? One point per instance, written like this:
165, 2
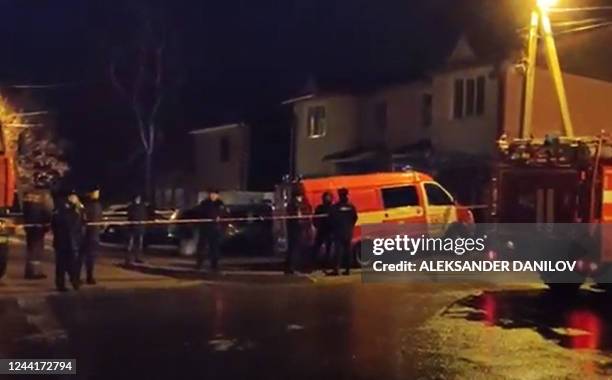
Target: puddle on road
576, 322
505, 332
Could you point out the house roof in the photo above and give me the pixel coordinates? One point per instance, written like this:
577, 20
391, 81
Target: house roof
355, 83
352, 155
217, 128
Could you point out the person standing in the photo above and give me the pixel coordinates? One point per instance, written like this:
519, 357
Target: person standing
37, 211
137, 212
67, 226
298, 228
343, 217
323, 236
211, 232
87, 255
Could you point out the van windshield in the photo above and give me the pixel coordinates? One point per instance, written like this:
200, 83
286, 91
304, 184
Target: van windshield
405, 196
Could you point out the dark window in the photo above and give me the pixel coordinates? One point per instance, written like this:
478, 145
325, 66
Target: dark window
400, 197
380, 114
470, 97
458, 108
436, 196
480, 95
317, 122
427, 110
224, 149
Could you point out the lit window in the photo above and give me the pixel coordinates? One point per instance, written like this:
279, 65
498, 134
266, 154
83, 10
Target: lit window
317, 122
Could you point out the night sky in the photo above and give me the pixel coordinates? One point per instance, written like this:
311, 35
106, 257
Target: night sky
228, 60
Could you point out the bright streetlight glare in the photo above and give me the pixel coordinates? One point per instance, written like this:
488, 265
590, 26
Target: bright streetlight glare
546, 4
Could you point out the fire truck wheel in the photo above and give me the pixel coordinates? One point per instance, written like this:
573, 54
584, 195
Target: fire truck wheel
568, 288
3, 262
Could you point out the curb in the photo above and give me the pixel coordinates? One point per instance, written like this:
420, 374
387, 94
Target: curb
249, 277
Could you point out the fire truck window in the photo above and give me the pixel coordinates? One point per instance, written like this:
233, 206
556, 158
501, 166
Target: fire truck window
436, 196
400, 197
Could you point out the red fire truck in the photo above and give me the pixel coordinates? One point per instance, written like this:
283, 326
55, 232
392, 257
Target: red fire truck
559, 182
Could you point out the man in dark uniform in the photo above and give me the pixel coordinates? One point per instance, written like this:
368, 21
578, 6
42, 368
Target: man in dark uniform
343, 217
211, 233
91, 241
298, 228
321, 223
37, 209
137, 212
67, 226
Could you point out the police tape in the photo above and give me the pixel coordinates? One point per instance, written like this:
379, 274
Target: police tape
4, 223
7, 224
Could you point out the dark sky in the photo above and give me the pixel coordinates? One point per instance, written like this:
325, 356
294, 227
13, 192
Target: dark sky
228, 60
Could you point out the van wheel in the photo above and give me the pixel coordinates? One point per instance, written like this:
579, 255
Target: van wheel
455, 231
360, 260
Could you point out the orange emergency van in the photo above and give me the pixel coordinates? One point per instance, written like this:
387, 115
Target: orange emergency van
398, 197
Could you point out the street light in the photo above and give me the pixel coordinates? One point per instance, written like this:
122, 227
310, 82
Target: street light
546, 4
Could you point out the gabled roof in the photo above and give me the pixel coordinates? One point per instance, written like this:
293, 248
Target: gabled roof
218, 128
462, 53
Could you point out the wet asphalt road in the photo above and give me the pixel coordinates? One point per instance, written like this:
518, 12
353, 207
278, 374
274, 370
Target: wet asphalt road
316, 331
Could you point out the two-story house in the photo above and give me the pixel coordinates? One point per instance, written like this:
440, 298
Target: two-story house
448, 121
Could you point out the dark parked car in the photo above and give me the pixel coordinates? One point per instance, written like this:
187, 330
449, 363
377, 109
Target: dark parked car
158, 234
251, 234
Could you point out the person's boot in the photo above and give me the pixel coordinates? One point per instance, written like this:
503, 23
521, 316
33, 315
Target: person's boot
91, 281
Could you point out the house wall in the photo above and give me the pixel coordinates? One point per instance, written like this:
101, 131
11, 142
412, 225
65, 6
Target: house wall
404, 116
343, 120
589, 103
210, 171
474, 135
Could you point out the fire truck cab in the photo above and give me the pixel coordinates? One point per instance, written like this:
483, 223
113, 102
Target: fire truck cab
398, 197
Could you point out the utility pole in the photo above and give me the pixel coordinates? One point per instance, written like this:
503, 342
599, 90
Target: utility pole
541, 21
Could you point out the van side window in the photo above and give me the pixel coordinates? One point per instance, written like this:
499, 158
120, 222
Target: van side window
436, 196
400, 197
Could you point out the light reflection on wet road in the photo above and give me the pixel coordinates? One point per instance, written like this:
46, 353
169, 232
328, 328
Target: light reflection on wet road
382, 331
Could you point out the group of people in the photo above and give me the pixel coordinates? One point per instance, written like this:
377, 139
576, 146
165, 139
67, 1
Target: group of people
75, 241
334, 223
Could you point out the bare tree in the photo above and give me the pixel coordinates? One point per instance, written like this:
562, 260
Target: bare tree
137, 72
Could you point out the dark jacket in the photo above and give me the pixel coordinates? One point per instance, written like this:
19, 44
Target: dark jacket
209, 209
298, 227
37, 209
93, 214
137, 212
67, 227
322, 224
343, 217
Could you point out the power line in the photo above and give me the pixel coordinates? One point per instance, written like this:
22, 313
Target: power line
585, 28
43, 86
583, 9
32, 113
